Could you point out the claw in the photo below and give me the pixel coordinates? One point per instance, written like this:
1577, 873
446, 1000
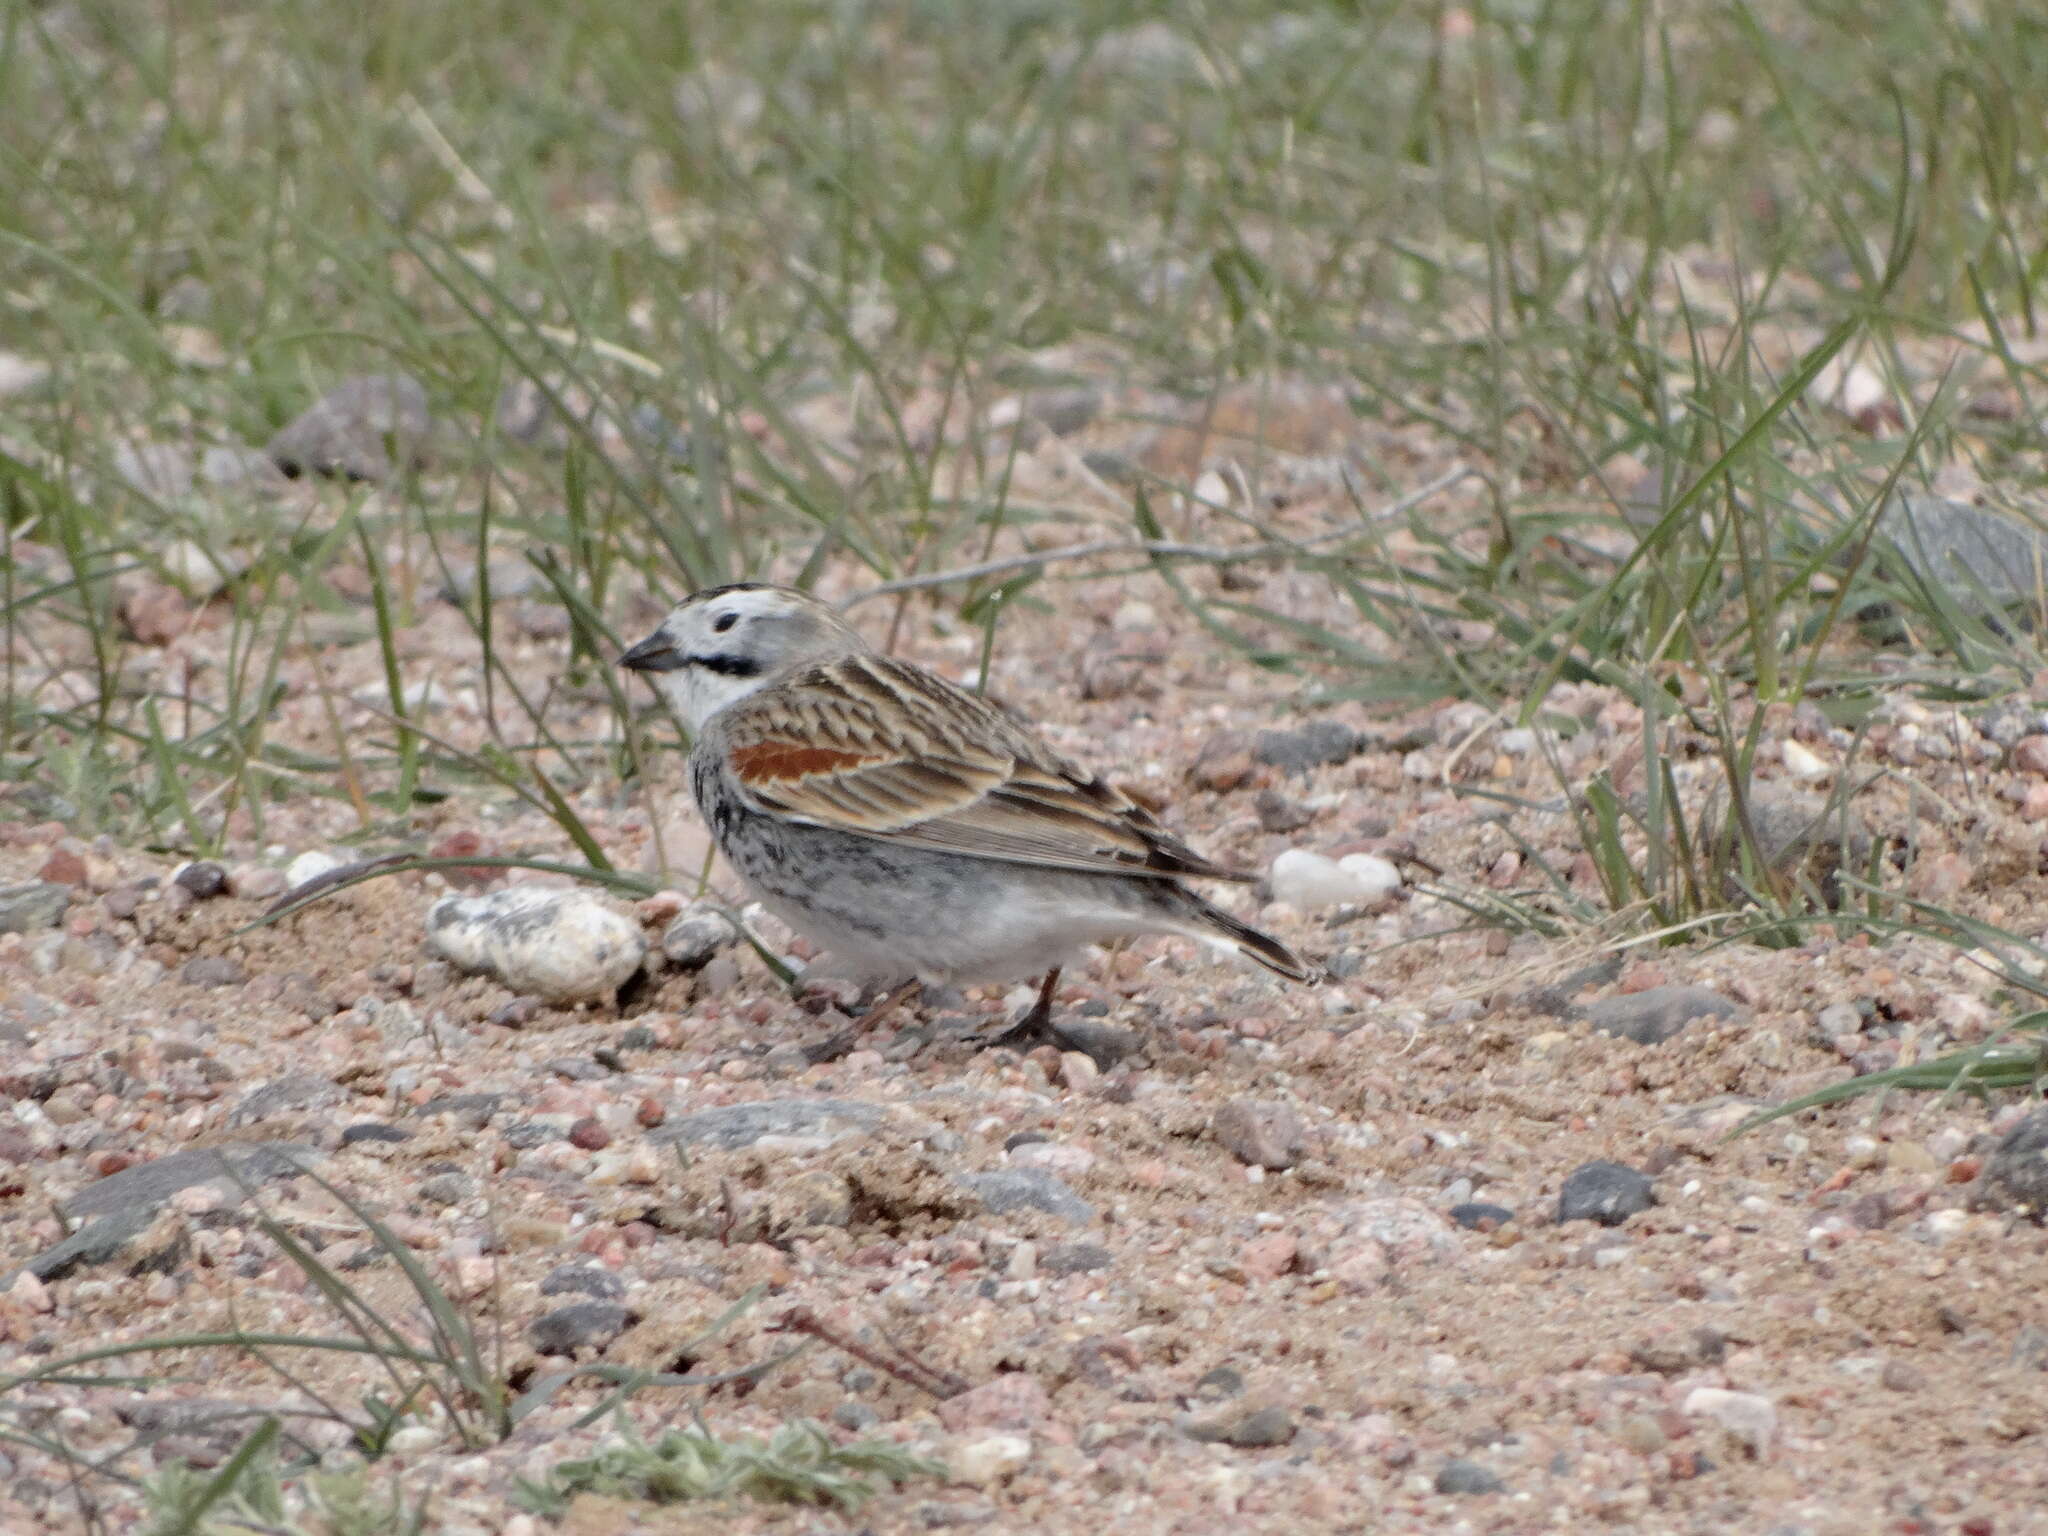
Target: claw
1035, 1026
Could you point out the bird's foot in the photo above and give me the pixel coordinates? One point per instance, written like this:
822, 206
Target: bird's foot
1035, 1027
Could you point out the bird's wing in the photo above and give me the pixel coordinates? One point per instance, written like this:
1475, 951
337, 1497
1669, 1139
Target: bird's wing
877, 747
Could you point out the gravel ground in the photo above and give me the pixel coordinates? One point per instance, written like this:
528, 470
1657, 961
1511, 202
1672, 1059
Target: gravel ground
1455, 1241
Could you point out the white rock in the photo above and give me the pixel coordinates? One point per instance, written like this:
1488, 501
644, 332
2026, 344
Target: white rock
562, 946
1746, 1415
1380, 877
1213, 489
1948, 1144
1940, 1226
1309, 881
202, 571
257, 882
310, 865
989, 1459
414, 1437
1802, 762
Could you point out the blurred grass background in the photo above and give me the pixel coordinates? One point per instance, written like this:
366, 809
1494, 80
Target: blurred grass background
1694, 293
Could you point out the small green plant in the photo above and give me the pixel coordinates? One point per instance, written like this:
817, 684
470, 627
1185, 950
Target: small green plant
437, 1369
254, 1491
798, 1464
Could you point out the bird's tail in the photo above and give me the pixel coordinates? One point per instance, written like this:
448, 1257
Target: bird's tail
1248, 941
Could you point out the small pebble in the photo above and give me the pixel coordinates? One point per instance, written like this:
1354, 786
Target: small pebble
1608, 1193
450, 1188
213, 971
578, 1326
1313, 883
583, 1279
203, 881
989, 1459
696, 935
1262, 1132
1750, 1418
1478, 1216
1467, 1477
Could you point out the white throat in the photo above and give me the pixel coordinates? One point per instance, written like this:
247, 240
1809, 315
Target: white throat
696, 694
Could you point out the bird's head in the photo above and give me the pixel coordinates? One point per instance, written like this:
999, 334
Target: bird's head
721, 644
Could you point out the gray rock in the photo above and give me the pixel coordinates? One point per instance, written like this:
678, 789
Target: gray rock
1462, 1476
564, 946
36, 904
1027, 1189
1224, 1381
1116, 468
695, 935
1653, 1016
581, 1325
1063, 411
476, 1109
1260, 1429
1279, 813
450, 1187
159, 471
147, 1186
741, 1125
213, 971
1074, 1258
1478, 1216
855, 1417
1314, 745
202, 881
301, 1090
352, 430
1608, 1193
2009, 722
94, 1243
1556, 997
2015, 1176
373, 1130
120, 1206
1798, 836
524, 1135
1976, 555
1262, 1132
586, 1279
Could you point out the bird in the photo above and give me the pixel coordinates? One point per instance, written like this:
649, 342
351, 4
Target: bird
916, 830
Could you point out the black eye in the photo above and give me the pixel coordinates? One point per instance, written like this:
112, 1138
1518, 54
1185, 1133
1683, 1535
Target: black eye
724, 622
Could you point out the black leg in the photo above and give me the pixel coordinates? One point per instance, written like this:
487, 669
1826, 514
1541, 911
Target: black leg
1036, 1026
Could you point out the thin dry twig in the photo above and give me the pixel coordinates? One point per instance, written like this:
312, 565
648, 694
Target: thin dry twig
906, 1367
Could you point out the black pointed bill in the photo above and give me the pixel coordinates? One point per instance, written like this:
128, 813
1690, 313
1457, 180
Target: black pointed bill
654, 654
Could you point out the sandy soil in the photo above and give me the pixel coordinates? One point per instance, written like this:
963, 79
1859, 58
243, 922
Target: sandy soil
1189, 1342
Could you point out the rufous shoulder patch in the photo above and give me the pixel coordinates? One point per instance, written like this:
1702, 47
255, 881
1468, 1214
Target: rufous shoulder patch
783, 762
